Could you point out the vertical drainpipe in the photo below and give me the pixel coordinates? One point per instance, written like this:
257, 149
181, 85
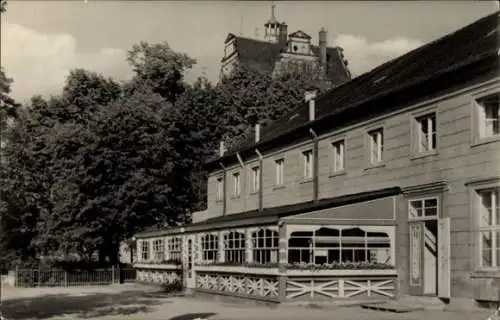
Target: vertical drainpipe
244, 179
222, 149
310, 97
261, 169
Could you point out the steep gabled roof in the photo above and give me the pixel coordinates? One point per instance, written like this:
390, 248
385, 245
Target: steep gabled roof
470, 44
263, 55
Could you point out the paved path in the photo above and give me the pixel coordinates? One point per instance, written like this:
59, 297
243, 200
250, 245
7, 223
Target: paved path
130, 302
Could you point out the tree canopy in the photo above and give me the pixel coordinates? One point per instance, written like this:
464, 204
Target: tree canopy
90, 167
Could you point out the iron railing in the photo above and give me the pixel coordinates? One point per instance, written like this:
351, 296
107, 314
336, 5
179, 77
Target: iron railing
30, 278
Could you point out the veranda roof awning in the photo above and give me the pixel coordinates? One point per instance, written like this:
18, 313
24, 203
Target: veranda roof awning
271, 215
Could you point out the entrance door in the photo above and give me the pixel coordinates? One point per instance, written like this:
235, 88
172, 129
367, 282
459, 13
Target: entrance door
188, 265
423, 260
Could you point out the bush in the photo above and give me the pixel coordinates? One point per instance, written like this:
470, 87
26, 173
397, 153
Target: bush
172, 287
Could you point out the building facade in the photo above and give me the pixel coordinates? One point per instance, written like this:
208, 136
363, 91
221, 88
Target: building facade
388, 185
280, 50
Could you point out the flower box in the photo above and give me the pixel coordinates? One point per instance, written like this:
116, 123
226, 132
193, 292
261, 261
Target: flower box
236, 269
157, 266
340, 272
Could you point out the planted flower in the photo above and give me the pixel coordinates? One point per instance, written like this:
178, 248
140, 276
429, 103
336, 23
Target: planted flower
347, 265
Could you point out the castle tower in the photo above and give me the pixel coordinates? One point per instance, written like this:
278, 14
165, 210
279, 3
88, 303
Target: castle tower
272, 27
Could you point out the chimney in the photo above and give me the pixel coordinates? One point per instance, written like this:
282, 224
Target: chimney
310, 97
283, 37
257, 132
222, 149
322, 50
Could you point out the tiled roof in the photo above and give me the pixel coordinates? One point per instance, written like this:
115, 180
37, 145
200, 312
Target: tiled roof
464, 46
263, 55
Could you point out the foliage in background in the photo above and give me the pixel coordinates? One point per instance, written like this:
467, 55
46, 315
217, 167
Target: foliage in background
88, 168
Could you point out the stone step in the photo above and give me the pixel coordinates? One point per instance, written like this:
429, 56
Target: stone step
392, 307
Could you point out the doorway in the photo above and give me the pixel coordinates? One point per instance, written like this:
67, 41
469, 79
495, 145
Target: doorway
423, 260
188, 267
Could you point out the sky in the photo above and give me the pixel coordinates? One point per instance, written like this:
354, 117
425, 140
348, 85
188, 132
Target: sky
42, 40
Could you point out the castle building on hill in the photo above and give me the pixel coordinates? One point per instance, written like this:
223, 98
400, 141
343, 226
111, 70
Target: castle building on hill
279, 48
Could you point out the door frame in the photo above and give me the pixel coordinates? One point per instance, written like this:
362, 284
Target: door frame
416, 257
189, 260
417, 241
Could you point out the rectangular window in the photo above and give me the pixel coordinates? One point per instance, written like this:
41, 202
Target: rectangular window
489, 227
489, 115
280, 167
234, 247
308, 164
376, 140
265, 246
335, 244
145, 250
255, 179
426, 133
209, 247
423, 208
220, 189
236, 184
174, 248
338, 156
158, 250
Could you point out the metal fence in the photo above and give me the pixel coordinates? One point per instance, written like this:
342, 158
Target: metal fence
30, 278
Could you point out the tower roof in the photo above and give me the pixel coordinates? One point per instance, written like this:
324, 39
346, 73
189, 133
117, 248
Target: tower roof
273, 19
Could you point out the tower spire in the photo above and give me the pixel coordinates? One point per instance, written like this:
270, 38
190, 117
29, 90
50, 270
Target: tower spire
273, 6
272, 26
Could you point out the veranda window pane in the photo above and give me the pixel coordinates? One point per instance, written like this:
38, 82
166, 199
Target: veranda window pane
486, 245
497, 206
415, 209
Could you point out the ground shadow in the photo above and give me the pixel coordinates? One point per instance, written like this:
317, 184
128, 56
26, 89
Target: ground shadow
193, 316
87, 306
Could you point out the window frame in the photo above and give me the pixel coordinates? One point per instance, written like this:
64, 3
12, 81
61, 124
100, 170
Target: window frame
334, 145
145, 253
367, 247
308, 167
482, 117
431, 119
174, 248
279, 165
474, 186
423, 200
158, 250
236, 177
380, 146
493, 228
209, 244
265, 250
232, 251
477, 138
255, 179
219, 197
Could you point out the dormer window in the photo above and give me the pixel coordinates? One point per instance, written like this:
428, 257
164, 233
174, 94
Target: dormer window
299, 43
229, 49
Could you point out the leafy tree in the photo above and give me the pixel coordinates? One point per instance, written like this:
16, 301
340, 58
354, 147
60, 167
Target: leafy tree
122, 171
30, 160
3, 6
8, 106
249, 97
159, 68
25, 184
86, 89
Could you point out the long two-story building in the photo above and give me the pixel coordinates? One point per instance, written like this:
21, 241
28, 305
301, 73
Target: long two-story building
387, 185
